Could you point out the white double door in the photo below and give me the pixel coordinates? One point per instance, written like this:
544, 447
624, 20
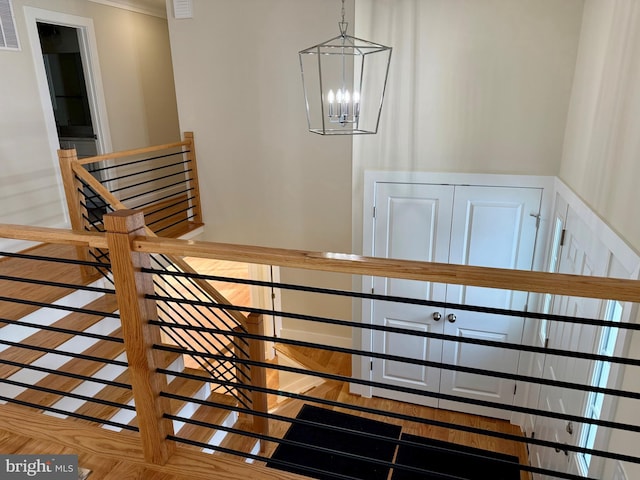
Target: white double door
469, 225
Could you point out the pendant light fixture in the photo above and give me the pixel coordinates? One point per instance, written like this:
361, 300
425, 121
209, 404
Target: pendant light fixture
344, 81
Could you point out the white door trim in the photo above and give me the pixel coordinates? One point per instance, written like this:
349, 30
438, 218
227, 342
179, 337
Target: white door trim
89, 53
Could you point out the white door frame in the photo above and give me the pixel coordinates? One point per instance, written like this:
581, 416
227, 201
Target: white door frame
93, 78
371, 178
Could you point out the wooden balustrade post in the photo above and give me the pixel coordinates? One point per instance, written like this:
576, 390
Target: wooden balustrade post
72, 188
74, 195
193, 182
255, 326
243, 372
139, 337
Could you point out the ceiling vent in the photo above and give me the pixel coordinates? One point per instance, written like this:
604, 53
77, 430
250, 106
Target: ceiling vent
8, 33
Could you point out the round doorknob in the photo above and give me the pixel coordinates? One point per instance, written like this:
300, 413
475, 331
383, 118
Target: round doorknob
436, 316
451, 317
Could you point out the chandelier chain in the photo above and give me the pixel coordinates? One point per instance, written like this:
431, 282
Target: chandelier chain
343, 13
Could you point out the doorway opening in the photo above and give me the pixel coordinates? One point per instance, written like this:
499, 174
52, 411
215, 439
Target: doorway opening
66, 79
67, 87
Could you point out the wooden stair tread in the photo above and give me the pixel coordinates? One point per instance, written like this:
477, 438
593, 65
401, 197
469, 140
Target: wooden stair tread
109, 393
238, 442
210, 415
44, 338
117, 394
39, 270
78, 366
180, 386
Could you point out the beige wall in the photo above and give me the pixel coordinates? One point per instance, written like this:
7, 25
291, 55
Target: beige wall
492, 80
265, 179
138, 84
602, 147
602, 144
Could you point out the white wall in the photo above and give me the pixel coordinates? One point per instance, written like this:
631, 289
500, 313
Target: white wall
602, 148
476, 86
137, 78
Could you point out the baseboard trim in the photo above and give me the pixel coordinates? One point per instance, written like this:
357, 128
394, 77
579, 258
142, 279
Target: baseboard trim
314, 337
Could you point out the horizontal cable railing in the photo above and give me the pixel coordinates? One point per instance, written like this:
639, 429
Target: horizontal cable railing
254, 407
381, 413
162, 182
49, 346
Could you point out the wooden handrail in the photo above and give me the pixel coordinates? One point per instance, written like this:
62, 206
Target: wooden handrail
531, 281
489, 277
74, 168
128, 153
54, 235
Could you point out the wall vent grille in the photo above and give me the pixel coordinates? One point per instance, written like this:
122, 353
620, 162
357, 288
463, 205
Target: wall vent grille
8, 32
182, 9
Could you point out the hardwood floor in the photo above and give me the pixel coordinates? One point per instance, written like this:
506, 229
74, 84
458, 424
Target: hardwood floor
339, 391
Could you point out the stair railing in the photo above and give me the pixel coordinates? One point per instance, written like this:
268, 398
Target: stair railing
175, 188
130, 254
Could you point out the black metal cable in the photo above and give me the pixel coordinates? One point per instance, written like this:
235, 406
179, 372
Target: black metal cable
33, 303
186, 283
170, 327
64, 353
143, 160
190, 314
65, 331
146, 170
126, 187
412, 301
427, 363
206, 365
51, 259
155, 201
70, 414
63, 373
67, 394
403, 417
335, 475
415, 391
172, 214
189, 217
432, 335
164, 187
49, 283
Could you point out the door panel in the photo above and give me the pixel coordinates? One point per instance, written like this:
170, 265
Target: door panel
486, 226
405, 374
419, 210
491, 227
581, 254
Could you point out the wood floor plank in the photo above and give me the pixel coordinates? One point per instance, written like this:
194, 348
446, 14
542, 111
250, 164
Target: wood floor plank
39, 270
43, 338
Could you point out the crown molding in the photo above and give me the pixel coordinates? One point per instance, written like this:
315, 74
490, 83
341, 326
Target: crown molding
156, 8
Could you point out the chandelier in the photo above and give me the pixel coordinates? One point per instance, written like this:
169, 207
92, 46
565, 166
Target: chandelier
344, 81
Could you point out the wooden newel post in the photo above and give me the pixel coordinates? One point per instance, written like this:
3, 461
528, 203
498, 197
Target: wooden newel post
74, 195
139, 337
255, 326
